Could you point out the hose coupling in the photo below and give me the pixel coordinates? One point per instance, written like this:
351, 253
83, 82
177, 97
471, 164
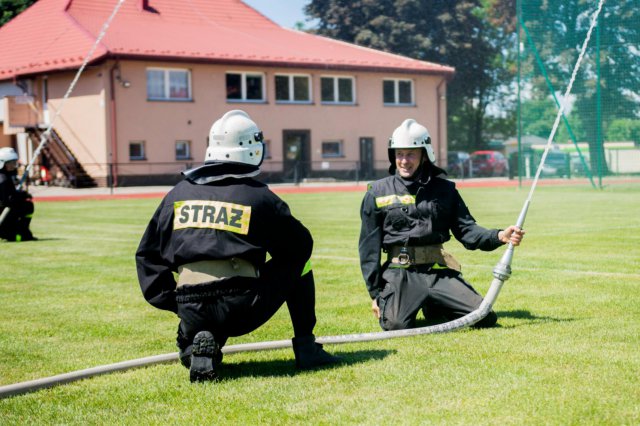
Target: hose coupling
502, 271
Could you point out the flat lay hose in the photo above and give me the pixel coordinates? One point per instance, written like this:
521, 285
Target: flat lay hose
501, 273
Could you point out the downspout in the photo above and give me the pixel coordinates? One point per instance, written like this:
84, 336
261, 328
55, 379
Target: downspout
439, 115
113, 163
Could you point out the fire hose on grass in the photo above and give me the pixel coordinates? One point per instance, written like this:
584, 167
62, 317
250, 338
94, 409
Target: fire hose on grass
501, 273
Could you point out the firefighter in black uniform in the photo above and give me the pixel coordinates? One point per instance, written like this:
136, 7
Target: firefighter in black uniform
16, 207
408, 216
214, 230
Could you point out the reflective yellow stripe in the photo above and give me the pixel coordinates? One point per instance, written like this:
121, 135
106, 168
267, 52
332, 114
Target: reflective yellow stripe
387, 200
438, 266
211, 214
307, 268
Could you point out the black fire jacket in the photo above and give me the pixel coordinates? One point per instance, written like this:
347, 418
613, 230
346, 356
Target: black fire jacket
221, 219
396, 211
8, 192
10, 197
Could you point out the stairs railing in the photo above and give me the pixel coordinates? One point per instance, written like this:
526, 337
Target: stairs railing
60, 156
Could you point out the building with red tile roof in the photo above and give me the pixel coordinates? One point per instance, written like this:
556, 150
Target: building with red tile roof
165, 70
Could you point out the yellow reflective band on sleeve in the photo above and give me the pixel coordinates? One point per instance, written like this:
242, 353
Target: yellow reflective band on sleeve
307, 268
211, 214
387, 200
438, 266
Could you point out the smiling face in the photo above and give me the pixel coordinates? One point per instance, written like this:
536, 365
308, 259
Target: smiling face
408, 161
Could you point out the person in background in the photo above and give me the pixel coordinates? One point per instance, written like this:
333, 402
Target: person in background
214, 231
16, 207
408, 216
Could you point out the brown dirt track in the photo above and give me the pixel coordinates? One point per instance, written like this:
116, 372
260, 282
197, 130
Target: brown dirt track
43, 194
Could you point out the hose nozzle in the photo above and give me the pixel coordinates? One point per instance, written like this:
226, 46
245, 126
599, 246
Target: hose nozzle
502, 270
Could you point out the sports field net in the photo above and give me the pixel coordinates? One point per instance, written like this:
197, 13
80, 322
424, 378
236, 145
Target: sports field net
599, 134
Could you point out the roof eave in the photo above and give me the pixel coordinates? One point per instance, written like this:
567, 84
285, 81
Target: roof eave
444, 71
30, 72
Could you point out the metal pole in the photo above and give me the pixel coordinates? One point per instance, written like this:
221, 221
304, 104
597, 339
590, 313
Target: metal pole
519, 104
599, 138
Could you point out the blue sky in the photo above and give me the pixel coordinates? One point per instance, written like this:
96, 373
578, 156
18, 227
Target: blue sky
284, 12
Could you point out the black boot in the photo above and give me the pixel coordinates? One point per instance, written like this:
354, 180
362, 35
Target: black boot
489, 321
205, 354
310, 354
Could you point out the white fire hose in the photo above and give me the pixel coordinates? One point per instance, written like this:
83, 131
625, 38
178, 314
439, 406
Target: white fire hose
501, 273
467, 320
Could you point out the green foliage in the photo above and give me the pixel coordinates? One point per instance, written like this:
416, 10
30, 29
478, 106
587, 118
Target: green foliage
500, 128
565, 351
538, 117
11, 8
624, 130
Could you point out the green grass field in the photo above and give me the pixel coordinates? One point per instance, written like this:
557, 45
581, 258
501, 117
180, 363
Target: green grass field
566, 351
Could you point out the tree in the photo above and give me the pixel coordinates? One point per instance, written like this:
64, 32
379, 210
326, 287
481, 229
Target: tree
455, 33
11, 8
538, 116
624, 130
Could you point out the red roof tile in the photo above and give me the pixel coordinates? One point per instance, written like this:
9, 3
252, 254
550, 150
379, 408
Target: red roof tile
57, 34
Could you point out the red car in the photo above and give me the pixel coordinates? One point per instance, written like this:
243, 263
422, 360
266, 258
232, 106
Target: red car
489, 163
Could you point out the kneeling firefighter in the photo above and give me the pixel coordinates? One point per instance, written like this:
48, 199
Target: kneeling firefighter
408, 216
214, 230
16, 207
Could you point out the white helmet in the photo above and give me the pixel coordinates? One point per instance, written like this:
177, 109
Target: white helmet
410, 134
235, 138
7, 154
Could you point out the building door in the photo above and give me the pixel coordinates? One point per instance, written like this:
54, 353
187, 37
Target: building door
296, 154
366, 158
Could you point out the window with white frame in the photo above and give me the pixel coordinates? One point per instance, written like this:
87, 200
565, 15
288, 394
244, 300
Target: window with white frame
293, 88
183, 150
332, 149
397, 92
166, 84
337, 90
136, 150
245, 87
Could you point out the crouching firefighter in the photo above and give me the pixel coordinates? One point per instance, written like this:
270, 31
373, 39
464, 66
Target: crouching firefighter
408, 216
214, 231
16, 207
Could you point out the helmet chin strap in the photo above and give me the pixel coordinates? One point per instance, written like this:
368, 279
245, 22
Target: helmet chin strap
421, 171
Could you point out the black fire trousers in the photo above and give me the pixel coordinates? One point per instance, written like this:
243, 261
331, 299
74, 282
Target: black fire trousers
237, 306
442, 294
17, 222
